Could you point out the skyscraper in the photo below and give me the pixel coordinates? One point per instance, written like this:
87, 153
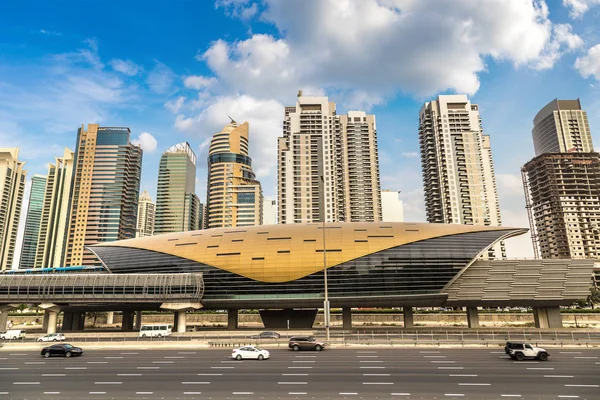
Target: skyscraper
54, 223
561, 127
456, 160
32, 222
177, 206
328, 165
145, 216
105, 191
562, 184
233, 195
12, 188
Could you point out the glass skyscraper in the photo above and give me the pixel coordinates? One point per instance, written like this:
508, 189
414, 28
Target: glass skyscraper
32, 222
177, 206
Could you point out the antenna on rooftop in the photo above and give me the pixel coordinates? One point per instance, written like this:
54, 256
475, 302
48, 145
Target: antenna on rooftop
232, 120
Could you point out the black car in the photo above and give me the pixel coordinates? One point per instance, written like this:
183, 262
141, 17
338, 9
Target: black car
65, 349
266, 335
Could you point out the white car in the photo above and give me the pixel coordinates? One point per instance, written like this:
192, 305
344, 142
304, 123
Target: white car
250, 352
52, 337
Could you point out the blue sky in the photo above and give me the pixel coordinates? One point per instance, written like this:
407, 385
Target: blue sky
171, 71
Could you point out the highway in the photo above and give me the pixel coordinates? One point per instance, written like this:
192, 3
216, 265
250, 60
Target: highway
347, 373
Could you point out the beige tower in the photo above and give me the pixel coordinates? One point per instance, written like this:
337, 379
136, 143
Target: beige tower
233, 195
328, 165
12, 188
145, 218
561, 127
105, 191
54, 224
458, 171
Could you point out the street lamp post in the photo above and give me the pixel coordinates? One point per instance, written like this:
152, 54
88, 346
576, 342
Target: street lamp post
326, 301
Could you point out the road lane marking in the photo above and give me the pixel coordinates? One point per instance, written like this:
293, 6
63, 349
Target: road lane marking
510, 395
590, 357
4, 392
147, 367
566, 396
17, 354
316, 356
163, 362
97, 392
129, 374
186, 352
195, 383
400, 394
443, 362
376, 374
434, 356
174, 357
294, 374
378, 383
474, 384
116, 357
299, 367
242, 393
542, 368
35, 362
26, 383
195, 393
292, 383
453, 394
128, 353
528, 362
348, 393
569, 352
365, 352
8, 368
558, 376
97, 362
75, 367
53, 374
230, 361
429, 352
462, 375
372, 367
367, 356
144, 392
497, 352
51, 392
225, 367
371, 361
297, 393
209, 374
108, 383
583, 385
451, 367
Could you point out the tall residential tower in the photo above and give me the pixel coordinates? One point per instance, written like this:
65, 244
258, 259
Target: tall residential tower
106, 186
233, 195
562, 184
177, 206
12, 188
145, 217
328, 166
458, 172
32, 221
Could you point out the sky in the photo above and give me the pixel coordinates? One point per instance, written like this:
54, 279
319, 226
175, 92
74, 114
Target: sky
172, 71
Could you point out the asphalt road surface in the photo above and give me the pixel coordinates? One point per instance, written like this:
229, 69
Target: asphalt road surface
357, 373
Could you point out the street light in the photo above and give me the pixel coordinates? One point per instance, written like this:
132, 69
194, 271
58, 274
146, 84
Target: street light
326, 302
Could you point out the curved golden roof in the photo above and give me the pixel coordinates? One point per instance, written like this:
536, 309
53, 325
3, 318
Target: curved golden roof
286, 252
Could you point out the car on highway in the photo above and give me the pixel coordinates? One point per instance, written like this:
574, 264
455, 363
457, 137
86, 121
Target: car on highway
52, 337
266, 335
297, 343
12, 334
522, 350
250, 352
63, 349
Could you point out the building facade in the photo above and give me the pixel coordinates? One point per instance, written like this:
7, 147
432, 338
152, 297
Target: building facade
177, 206
562, 192
458, 171
145, 216
269, 211
105, 191
33, 220
561, 127
392, 209
12, 189
54, 224
328, 166
233, 195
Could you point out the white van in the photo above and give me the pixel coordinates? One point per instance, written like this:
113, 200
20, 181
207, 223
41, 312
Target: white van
155, 330
13, 334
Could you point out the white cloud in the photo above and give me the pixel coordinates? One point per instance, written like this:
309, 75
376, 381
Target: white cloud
579, 7
589, 65
198, 82
146, 141
50, 33
126, 67
411, 154
160, 79
385, 46
242, 9
176, 105
563, 40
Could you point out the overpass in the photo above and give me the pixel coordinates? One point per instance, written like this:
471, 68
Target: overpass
74, 294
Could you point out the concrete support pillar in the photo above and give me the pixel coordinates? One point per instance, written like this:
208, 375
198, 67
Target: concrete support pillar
78, 321
472, 317
181, 321
50, 321
45, 320
547, 317
347, 317
138, 320
127, 323
110, 316
409, 318
3, 320
232, 319
67, 324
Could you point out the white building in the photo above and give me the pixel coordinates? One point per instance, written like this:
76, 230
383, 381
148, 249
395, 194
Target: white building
391, 206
